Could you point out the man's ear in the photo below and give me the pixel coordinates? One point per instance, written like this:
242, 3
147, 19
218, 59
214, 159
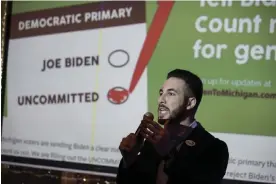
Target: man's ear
191, 103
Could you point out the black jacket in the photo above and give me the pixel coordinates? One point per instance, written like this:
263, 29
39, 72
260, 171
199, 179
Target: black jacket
203, 163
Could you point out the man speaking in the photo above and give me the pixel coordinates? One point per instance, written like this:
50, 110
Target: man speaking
181, 151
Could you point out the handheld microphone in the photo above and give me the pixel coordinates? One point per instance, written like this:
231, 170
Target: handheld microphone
148, 116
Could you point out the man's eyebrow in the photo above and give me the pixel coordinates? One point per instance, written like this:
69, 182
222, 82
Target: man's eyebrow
170, 89
174, 90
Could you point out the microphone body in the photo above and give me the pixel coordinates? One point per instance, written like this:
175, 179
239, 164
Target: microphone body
125, 155
148, 116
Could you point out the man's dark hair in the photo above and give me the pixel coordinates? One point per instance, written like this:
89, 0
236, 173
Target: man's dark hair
193, 82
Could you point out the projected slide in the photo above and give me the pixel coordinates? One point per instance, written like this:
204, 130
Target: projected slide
80, 76
67, 77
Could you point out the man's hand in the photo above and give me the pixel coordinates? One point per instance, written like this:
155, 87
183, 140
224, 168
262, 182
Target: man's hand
128, 143
157, 135
130, 147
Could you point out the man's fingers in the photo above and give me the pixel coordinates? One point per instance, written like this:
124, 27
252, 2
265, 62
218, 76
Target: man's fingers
157, 126
125, 145
147, 137
150, 126
132, 135
152, 123
147, 131
150, 136
153, 129
124, 148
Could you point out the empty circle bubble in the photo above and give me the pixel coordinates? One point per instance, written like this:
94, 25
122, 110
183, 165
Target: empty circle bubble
118, 58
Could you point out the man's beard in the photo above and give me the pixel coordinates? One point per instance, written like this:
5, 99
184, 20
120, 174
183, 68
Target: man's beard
174, 116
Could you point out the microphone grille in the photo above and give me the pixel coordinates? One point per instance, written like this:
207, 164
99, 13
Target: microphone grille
149, 115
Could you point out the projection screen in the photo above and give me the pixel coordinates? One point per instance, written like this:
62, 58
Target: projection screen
80, 76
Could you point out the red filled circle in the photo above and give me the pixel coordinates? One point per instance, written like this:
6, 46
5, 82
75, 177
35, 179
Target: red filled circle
117, 95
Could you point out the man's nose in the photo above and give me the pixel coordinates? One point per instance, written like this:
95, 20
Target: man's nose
161, 99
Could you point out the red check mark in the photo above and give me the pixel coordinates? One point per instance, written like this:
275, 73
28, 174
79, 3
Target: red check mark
156, 28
